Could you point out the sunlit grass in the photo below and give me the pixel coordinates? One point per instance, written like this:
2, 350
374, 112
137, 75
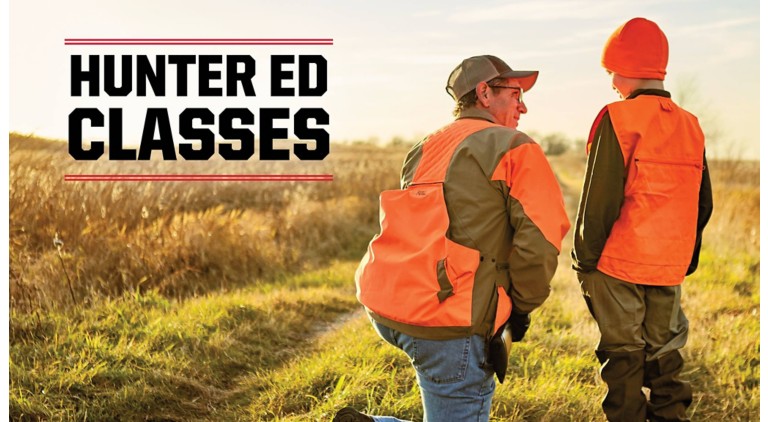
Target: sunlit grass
227, 301
140, 356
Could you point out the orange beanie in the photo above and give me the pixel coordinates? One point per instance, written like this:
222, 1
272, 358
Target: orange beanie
638, 49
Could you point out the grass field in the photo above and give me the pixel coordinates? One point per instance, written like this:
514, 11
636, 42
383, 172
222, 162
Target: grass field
227, 301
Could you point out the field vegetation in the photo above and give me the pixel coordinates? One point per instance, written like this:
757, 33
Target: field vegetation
235, 301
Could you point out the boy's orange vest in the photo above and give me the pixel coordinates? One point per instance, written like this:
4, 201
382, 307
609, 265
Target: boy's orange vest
653, 239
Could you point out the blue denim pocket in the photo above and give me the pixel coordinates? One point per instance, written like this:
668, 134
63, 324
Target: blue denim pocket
441, 361
384, 332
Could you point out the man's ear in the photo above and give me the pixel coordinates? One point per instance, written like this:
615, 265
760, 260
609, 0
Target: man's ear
483, 92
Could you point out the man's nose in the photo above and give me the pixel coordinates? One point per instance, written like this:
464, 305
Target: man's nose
522, 108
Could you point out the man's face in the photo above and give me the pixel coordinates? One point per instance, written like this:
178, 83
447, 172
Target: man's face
506, 105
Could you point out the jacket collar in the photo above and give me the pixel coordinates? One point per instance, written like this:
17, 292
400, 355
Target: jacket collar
476, 113
657, 92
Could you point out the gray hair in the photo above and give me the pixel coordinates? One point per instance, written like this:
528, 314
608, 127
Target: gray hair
470, 98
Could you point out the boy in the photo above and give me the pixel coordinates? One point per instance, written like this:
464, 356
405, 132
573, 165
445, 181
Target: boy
645, 202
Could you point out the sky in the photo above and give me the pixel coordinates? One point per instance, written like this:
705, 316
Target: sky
389, 62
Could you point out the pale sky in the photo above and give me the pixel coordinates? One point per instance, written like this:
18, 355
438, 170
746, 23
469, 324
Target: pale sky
389, 62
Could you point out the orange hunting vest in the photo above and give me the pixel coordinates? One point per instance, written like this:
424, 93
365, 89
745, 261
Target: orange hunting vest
412, 273
653, 239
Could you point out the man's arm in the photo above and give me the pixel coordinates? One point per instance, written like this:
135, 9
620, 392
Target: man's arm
410, 164
601, 196
537, 215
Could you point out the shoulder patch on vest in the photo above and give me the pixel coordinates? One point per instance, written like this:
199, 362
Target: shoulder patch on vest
532, 182
439, 148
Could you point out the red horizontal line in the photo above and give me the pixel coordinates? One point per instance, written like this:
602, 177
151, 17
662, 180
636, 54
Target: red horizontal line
201, 174
198, 177
196, 43
198, 39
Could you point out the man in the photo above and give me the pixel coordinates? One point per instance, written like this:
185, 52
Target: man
469, 242
645, 201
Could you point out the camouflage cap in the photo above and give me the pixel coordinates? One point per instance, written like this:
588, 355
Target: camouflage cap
474, 70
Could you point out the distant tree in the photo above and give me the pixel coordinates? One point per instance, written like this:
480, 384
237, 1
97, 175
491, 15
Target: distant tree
555, 144
371, 140
397, 141
686, 93
580, 145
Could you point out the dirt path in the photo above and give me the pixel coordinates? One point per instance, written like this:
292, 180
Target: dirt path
328, 327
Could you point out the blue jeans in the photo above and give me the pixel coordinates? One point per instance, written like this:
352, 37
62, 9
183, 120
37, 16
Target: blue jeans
455, 381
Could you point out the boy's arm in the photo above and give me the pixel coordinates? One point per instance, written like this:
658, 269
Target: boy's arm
601, 196
705, 211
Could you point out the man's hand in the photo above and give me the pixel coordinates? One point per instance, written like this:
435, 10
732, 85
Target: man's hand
518, 324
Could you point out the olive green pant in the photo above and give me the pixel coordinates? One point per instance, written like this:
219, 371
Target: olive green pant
642, 329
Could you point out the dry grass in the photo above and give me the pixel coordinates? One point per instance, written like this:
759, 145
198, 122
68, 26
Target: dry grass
180, 238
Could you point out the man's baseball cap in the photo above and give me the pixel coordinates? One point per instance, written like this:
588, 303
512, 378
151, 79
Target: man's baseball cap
474, 70
637, 49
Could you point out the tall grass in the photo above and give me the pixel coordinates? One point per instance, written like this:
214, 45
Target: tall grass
180, 238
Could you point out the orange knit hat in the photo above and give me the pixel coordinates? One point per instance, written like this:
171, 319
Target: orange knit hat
637, 49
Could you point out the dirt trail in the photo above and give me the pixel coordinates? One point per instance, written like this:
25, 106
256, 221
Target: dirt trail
325, 328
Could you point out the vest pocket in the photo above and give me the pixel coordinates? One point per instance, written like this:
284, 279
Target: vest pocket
667, 178
446, 288
657, 224
461, 263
